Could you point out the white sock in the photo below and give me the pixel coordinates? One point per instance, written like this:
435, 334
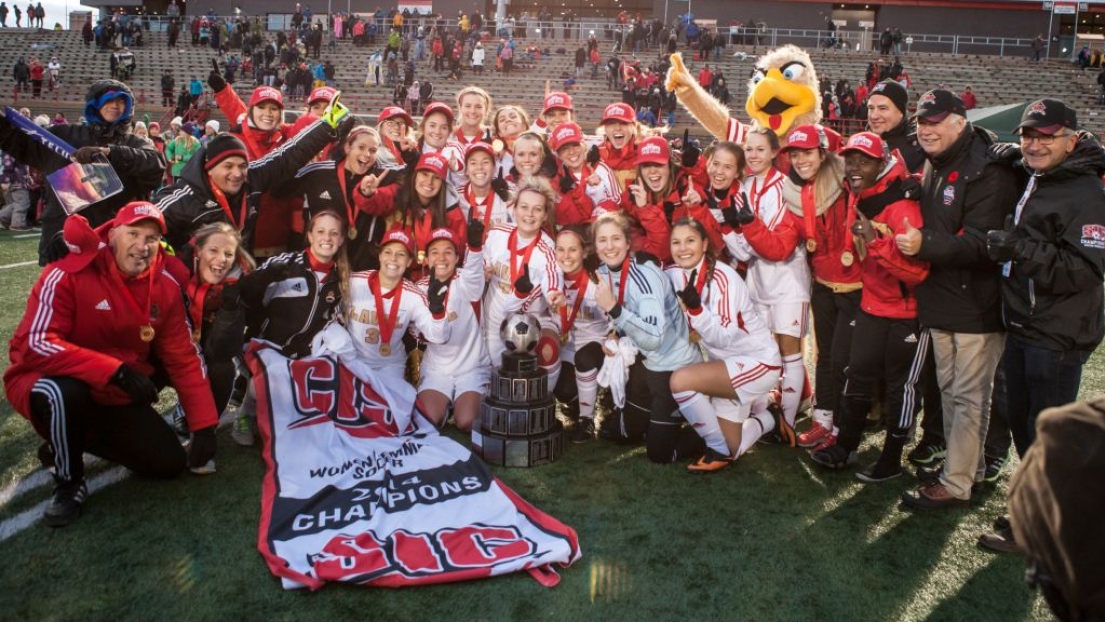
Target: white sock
587, 384
700, 414
794, 378
759, 406
554, 374
753, 428
823, 417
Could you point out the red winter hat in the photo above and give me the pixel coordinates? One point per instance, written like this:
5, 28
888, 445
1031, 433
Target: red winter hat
622, 113
400, 236
394, 111
557, 100
137, 211
444, 234
434, 163
324, 93
480, 146
266, 94
867, 143
83, 244
813, 136
566, 134
441, 107
653, 150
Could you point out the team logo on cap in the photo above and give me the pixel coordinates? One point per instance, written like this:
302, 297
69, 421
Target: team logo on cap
435, 162
146, 210
269, 93
879, 88
927, 98
442, 234
1038, 108
798, 137
399, 236
554, 100
565, 133
861, 141
650, 149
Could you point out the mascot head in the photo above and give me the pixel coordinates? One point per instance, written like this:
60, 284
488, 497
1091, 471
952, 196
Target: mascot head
783, 90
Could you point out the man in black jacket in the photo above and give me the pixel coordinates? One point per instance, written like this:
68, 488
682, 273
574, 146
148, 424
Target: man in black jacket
109, 109
966, 193
886, 116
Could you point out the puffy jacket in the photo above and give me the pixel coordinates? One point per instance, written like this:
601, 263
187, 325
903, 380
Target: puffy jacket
1053, 294
827, 227
966, 193
286, 303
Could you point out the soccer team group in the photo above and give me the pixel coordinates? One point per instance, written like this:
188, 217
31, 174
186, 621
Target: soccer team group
926, 255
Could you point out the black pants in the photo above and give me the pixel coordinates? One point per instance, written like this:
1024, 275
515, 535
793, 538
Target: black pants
652, 414
833, 322
887, 351
134, 436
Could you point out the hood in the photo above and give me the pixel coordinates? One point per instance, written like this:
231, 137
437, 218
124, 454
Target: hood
99, 94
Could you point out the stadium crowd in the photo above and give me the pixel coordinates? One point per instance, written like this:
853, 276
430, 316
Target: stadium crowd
949, 278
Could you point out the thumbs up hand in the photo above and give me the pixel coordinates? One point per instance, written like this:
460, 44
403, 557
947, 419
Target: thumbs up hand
1003, 245
909, 241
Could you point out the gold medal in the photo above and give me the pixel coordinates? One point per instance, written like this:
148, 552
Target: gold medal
196, 336
695, 337
146, 333
385, 349
847, 258
564, 339
352, 233
497, 146
811, 245
422, 257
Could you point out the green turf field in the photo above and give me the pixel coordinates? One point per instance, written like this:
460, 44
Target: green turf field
772, 538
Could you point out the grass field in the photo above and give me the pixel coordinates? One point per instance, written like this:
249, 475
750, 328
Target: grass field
771, 539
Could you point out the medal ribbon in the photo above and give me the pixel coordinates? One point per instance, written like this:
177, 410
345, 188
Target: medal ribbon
386, 324
625, 279
131, 302
350, 210
567, 321
224, 203
512, 245
470, 197
809, 212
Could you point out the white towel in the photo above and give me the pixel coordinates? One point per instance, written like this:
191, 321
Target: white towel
615, 369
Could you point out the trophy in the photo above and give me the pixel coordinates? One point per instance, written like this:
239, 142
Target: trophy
518, 425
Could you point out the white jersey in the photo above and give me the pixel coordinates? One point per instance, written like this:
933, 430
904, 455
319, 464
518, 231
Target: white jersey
607, 194
771, 282
590, 324
501, 298
728, 324
364, 321
500, 209
465, 350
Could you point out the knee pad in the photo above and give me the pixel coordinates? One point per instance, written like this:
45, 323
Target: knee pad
548, 351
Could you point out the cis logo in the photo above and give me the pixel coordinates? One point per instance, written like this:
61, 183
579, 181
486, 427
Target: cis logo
319, 386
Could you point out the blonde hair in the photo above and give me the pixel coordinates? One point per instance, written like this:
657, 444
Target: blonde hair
540, 185
341, 258
829, 181
241, 255
477, 91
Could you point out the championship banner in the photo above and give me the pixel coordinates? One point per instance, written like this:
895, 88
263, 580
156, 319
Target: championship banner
358, 492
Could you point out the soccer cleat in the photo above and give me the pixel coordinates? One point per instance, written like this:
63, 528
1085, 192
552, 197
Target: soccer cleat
835, 457
585, 431
242, 432
993, 469
926, 452
784, 432
879, 472
814, 436
710, 462
65, 507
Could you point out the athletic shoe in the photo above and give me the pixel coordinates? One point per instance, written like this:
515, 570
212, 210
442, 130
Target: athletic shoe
927, 451
814, 436
878, 472
65, 507
929, 474
826, 443
584, 431
784, 432
242, 432
178, 421
1000, 540
933, 496
712, 461
993, 469
835, 457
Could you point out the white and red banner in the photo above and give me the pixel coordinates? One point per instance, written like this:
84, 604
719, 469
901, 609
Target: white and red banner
355, 491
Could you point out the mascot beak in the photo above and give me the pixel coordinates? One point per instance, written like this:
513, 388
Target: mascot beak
776, 101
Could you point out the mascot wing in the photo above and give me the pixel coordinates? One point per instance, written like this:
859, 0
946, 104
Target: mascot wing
705, 108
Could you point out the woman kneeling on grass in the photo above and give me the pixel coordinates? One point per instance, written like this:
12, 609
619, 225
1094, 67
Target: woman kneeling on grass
744, 360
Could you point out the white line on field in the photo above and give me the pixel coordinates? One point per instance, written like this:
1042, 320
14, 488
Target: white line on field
34, 480
19, 265
26, 235
25, 519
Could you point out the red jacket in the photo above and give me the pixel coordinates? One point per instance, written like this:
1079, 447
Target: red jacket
83, 325
831, 240
889, 277
382, 202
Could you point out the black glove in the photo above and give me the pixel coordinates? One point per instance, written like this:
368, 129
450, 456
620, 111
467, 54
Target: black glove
139, 387
523, 285
647, 257
689, 295
593, 155
435, 295
731, 217
911, 187
201, 451
745, 215
215, 80
230, 295
567, 181
1005, 152
592, 263
500, 186
1003, 245
476, 229
410, 156
87, 155
56, 248
691, 151
669, 210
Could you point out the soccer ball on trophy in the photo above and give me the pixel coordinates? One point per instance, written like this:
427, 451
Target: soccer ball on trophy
520, 332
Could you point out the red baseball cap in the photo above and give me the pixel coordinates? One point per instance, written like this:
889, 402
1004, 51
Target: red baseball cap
395, 111
399, 236
813, 136
83, 243
867, 143
433, 162
566, 134
137, 211
480, 146
441, 107
324, 93
653, 150
444, 234
557, 100
266, 94
622, 113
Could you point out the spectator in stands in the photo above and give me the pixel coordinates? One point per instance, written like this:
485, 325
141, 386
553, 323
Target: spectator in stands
1038, 45
21, 73
195, 90
4, 15
886, 40
478, 54
38, 71
210, 129
969, 100
19, 181
168, 88
507, 56
706, 77
18, 15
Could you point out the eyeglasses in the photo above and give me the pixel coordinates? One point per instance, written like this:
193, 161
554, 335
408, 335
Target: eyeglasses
1043, 139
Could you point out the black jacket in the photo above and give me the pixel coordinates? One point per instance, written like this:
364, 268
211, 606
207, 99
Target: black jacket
1053, 297
286, 304
904, 140
966, 193
189, 204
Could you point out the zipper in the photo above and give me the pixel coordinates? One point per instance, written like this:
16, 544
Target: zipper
1031, 296
314, 306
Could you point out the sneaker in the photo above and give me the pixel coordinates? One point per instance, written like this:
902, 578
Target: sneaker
879, 472
710, 462
926, 452
835, 457
814, 435
242, 432
933, 496
826, 443
929, 474
784, 432
584, 431
993, 469
1000, 540
178, 421
65, 507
